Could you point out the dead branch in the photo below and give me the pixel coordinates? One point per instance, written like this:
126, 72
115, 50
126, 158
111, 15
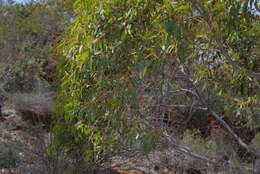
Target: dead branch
225, 125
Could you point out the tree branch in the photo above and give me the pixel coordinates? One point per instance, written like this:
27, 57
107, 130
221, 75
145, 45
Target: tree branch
222, 50
184, 106
183, 149
225, 125
236, 137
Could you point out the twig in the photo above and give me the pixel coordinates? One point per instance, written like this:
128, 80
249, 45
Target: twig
222, 50
185, 150
185, 106
237, 138
224, 124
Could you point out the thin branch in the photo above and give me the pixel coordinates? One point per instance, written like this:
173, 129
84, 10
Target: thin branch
219, 118
185, 150
184, 106
225, 125
237, 138
222, 50
183, 90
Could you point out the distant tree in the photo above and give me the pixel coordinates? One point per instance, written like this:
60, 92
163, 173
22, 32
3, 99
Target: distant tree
28, 33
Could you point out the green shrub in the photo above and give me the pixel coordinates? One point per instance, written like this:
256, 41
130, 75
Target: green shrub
9, 156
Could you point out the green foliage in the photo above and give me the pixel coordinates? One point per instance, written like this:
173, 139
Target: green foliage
27, 35
237, 30
9, 157
107, 54
25, 76
113, 49
200, 146
256, 141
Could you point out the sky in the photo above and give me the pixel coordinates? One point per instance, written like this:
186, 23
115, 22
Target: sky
21, 1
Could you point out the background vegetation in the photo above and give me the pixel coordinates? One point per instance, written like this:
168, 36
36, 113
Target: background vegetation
143, 75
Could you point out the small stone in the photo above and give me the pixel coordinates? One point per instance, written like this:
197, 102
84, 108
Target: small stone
257, 166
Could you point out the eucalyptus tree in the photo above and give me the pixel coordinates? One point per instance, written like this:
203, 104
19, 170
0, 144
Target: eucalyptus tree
124, 64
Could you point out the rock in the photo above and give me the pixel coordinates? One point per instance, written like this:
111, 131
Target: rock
37, 114
10, 120
5, 171
257, 166
35, 108
10, 123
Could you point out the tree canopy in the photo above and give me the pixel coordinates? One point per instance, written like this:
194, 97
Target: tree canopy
139, 73
124, 63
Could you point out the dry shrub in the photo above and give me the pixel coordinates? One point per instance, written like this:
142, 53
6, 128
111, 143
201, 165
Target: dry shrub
33, 155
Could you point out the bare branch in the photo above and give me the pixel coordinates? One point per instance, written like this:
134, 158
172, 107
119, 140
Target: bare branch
187, 151
184, 106
183, 90
231, 132
225, 125
183, 149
